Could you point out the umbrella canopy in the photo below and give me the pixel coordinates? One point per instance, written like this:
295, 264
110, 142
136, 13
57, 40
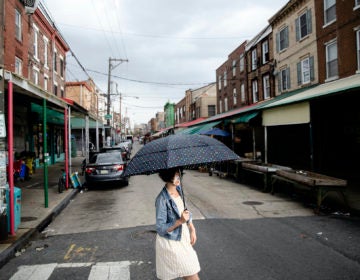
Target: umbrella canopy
179, 150
215, 131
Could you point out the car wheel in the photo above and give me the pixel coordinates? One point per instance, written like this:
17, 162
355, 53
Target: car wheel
125, 182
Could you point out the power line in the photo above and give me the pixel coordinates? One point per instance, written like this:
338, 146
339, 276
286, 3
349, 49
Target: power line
149, 82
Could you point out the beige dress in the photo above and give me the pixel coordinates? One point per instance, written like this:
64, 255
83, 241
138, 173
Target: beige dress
176, 258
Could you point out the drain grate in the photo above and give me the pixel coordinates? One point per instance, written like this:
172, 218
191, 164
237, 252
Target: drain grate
252, 202
28, 219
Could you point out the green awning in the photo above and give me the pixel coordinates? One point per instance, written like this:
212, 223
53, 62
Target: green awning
245, 118
79, 123
198, 128
52, 116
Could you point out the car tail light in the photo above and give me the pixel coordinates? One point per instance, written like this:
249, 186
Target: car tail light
89, 170
119, 167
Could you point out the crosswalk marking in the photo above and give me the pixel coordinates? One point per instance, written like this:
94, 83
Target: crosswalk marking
110, 271
34, 272
99, 271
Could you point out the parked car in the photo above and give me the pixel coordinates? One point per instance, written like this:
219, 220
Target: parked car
125, 153
106, 168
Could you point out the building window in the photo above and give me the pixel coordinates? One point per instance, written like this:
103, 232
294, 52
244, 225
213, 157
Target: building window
331, 60
55, 61
55, 89
282, 39
225, 78
329, 11
284, 79
18, 66
358, 48
220, 106
61, 67
62, 93
18, 25
255, 92
303, 25
46, 42
226, 107
265, 52
242, 93
46, 83
36, 42
242, 62
266, 86
211, 110
219, 82
234, 96
35, 75
305, 70
357, 4
234, 67
253, 59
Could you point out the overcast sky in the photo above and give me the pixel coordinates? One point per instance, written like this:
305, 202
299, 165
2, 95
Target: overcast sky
170, 46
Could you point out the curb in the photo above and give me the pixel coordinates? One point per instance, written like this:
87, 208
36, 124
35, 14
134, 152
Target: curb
9, 253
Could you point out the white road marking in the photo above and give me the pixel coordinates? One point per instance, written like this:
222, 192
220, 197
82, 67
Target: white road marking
99, 271
110, 271
34, 272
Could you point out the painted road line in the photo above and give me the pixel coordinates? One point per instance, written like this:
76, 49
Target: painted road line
99, 271
34, 272
110, 271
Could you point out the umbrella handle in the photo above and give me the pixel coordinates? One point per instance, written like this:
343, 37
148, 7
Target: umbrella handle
182, 190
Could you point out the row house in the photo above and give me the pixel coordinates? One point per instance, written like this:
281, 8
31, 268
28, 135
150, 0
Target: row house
338, 38
34, 54
33, 48
295, 46
260, 67
232, 81
85, 94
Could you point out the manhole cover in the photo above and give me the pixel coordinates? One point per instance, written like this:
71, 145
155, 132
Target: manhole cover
253, 203
146, 234
28, 219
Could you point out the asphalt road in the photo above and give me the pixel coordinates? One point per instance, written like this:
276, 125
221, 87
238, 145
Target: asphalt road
243, 233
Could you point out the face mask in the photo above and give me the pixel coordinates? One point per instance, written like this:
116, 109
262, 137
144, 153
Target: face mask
176, 180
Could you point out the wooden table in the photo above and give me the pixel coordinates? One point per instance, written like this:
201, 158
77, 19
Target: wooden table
264, 169
321, 184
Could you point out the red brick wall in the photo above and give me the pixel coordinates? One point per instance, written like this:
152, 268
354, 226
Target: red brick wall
343, 29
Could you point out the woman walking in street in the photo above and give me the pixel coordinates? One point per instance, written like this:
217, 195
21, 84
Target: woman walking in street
176, 234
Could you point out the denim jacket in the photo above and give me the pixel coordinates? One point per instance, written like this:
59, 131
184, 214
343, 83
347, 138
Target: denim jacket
166, 215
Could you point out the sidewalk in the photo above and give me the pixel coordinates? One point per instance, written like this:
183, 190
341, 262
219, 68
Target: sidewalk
34, 215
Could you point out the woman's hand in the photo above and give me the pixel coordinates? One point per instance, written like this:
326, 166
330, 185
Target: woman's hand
193, 237
185, 216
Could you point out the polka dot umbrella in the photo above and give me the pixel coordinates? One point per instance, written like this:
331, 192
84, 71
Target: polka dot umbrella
181, 150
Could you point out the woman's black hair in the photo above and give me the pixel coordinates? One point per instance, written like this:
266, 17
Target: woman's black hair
167, 175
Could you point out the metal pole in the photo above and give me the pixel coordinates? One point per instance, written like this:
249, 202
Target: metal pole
69, 140
46, 156
266, 144
66, 146
11, 157
108, 92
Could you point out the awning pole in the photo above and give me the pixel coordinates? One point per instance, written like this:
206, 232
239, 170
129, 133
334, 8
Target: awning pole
311, 147
45, 156
266, 144
69, 139
66, 146
254, 144
11, 157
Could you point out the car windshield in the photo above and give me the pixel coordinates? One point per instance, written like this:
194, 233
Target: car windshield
106, 158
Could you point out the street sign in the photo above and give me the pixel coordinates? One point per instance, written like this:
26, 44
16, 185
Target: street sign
108, 117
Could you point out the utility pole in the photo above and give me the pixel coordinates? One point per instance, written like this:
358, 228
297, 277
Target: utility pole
111, 67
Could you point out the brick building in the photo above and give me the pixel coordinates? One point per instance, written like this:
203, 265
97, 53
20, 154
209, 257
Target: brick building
338, 32
259, 57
